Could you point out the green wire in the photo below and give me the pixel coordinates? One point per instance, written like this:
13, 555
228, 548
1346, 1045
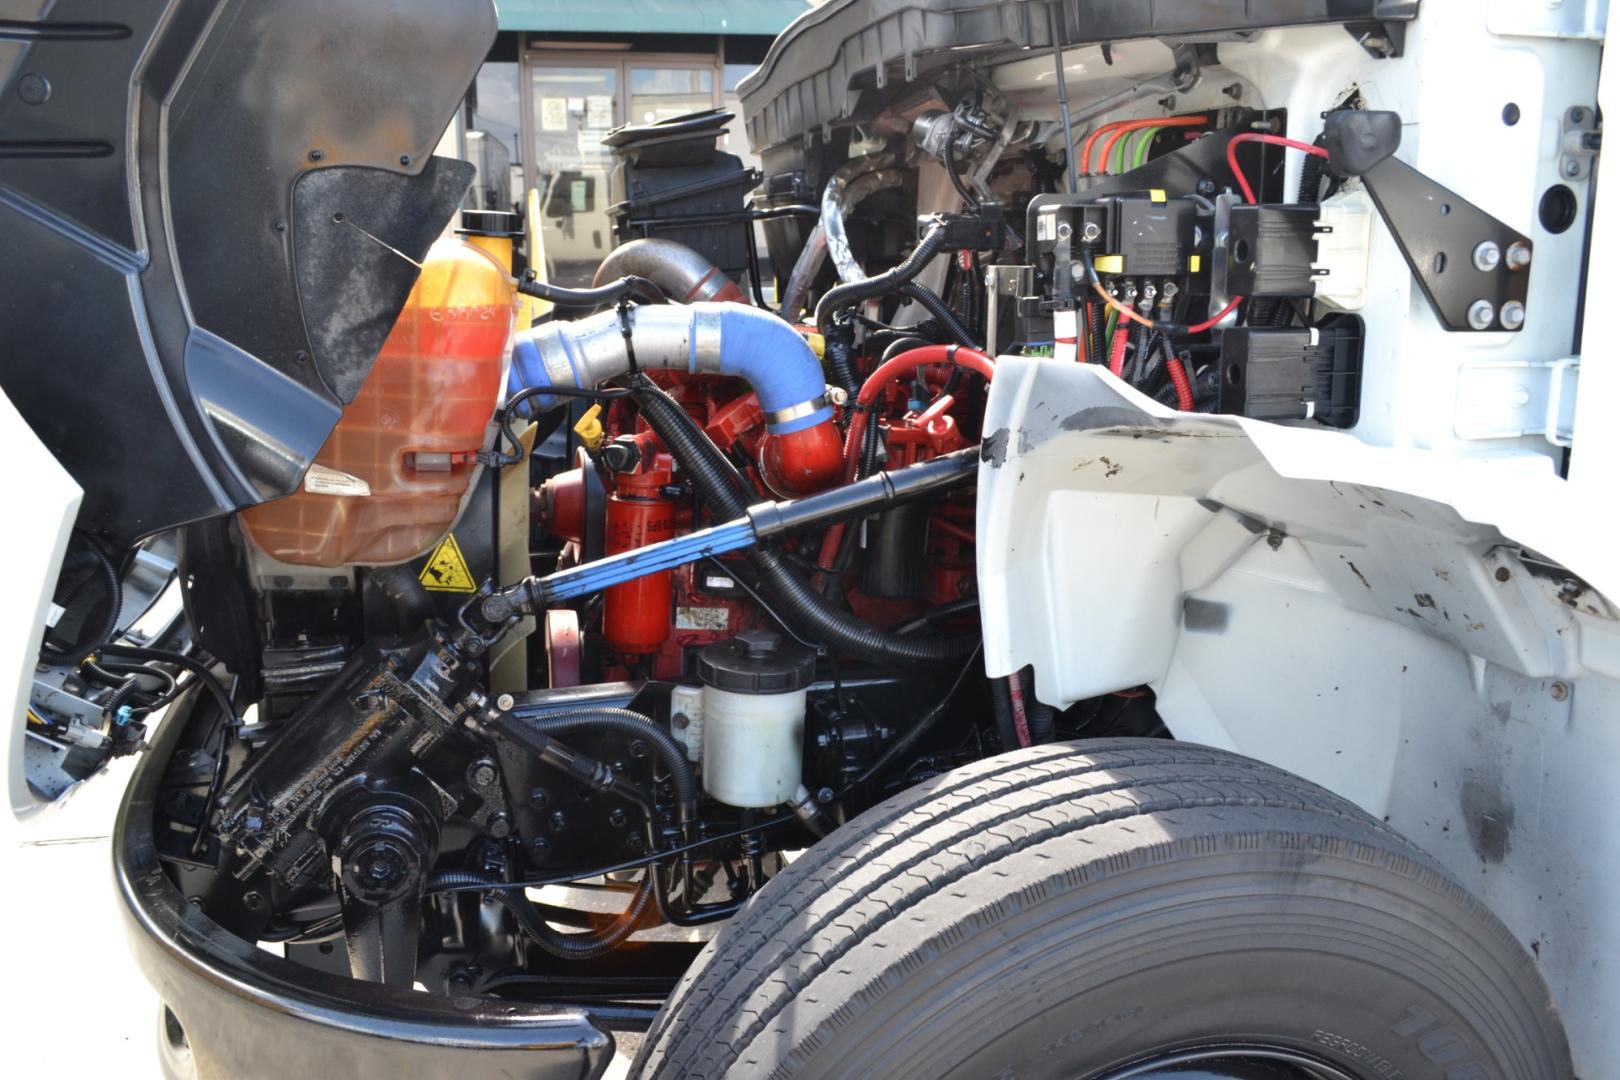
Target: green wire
1119, 155
1144, 140
1108, 330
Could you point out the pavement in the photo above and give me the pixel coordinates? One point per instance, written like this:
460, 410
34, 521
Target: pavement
79, 1006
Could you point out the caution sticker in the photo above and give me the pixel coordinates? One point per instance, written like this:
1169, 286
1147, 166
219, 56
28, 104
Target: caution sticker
446, 569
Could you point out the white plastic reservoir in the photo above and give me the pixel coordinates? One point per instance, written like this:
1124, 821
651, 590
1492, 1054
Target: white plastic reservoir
754, 689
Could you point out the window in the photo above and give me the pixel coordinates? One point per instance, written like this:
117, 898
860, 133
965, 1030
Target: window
495, 138
658, 93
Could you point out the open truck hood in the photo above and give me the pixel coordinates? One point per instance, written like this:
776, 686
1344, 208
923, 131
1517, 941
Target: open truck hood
212, 212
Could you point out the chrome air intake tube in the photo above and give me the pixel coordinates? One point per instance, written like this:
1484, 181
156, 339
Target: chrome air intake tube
683, 274
703, 339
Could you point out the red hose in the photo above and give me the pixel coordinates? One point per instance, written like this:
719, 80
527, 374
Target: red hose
1178, 375
1116, 353
875, 384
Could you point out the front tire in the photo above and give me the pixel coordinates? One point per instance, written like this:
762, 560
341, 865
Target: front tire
1109, 909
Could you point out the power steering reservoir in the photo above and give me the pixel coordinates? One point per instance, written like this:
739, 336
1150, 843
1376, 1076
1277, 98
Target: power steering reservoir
753, 718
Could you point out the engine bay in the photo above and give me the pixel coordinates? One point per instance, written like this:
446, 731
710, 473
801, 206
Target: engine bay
600, 605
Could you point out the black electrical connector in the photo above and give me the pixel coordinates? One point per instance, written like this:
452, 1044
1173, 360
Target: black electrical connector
1270, 249
979, 228
1294, 374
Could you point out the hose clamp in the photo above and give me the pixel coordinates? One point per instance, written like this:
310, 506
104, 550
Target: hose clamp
795, 412
706, 329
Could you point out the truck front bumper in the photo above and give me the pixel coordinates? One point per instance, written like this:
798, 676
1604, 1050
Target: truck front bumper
236, 1011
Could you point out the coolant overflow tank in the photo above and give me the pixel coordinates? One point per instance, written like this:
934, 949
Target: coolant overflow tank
753, 718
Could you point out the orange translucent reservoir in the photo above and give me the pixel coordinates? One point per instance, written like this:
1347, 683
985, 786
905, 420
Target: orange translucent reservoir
394, 474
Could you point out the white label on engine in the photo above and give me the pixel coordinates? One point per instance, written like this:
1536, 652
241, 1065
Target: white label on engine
702, 618
323, 481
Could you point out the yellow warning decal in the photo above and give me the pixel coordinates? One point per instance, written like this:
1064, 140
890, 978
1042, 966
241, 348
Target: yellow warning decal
446, 569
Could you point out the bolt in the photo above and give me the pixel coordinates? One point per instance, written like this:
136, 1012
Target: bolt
254, 900
558, 821
633, 841
1577, 115
281, 226
638, 749
539, 846
617, 818
1572, 169
1233, 90
1064, 231
1503, 573
1487, 256
1090, 231
1518, 255
1481, 313
1512, 315
825, 795
481, 773
1560, 691
316, 155
404, 159
539, 798
1149, 291
34, 89
499, 826
1170, 289
1078, 270
1521, 394
680, 721
301, 356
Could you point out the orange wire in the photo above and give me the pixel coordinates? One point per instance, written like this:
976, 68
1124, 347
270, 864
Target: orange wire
1125, 312
1120, 128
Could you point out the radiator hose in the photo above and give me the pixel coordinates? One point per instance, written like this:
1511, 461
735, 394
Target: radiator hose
810, 614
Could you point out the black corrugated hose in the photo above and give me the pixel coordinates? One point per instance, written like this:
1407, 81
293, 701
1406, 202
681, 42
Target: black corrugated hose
587, 946
840, 354
853, 292
715, 478
941, 311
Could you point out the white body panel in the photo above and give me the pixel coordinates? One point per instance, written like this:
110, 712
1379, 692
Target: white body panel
47, 499
1339, 610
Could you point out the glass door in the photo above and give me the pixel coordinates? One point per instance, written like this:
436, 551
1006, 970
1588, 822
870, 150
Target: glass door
573, 107
658, 92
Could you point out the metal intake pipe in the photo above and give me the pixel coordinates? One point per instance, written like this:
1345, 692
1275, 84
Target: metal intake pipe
804, 452
683, 274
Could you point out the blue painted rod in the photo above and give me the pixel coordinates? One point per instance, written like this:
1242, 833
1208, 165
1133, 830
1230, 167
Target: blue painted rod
593, 577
